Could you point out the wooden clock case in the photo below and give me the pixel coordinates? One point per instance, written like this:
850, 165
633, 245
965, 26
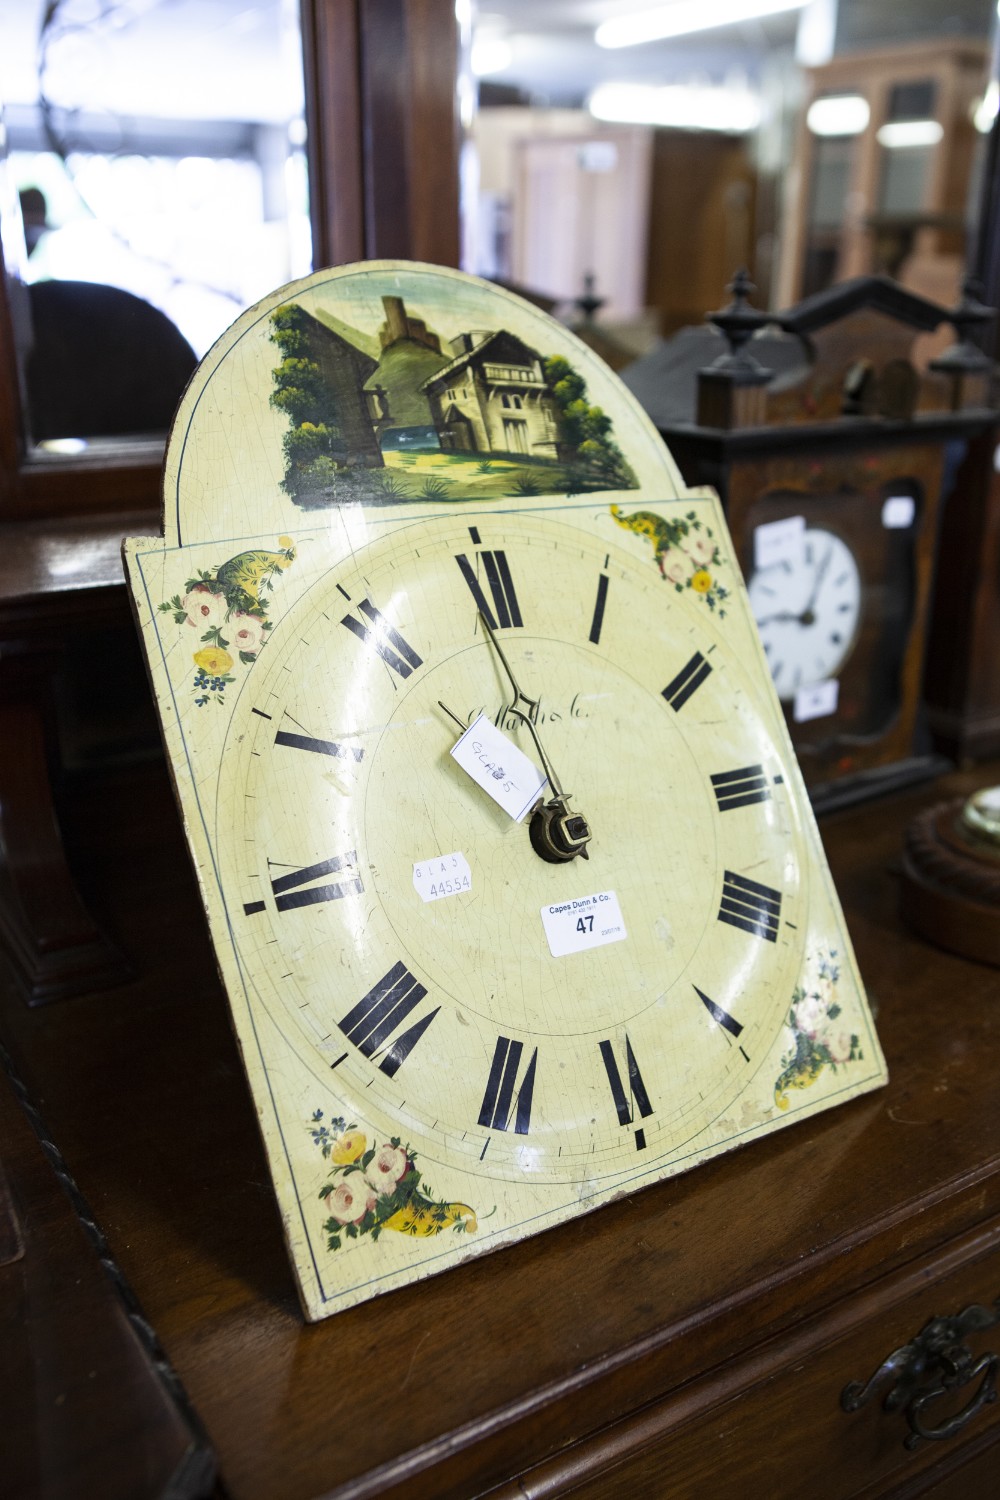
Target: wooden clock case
854, 427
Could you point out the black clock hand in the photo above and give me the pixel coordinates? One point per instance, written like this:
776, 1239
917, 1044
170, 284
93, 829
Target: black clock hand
557, 833
783, 614
453, 715
807, 617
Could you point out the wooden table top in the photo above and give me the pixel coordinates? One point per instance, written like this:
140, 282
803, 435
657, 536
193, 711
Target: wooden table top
451, 1386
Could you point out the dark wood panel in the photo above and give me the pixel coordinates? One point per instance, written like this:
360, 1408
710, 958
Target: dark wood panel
771, 1427
409, 69
334, 125
88, 1408
962, 680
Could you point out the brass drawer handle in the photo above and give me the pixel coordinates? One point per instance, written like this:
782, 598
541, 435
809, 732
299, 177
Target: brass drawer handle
934, 1363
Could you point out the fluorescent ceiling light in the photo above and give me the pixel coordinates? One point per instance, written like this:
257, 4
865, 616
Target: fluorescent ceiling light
987, 109
490, 54
838, 114
909, 133
682, 106
682, 17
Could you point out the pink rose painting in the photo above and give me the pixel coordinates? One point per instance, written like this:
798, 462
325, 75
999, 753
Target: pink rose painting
204, 609
820, 1036
700, 549
386, 1168
377, 1187
684, 549
227, 608
351, 1199
247, 633
677, 567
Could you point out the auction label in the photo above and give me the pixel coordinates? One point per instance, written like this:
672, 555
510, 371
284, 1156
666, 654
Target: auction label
587, 922
497, 765
446, 875
816, 701
778, 542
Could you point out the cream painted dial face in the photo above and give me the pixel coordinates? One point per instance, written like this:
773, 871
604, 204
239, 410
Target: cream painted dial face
808, 613
450, 1022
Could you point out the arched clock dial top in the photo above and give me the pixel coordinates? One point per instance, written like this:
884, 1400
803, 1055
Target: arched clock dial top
509, 868
808, 612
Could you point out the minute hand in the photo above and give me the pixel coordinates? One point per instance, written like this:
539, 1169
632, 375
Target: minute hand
557, 834
817, 585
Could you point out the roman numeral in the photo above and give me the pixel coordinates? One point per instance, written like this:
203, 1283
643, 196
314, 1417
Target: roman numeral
377, 1017
501, 589
636, 1096
384, 639
688, 680
749, 905
294, 890
500, 1087
740, 788
602, 599
719, 1016
318, 747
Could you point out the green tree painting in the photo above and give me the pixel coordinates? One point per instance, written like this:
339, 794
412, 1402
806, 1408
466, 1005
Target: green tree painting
596, 460
301, 393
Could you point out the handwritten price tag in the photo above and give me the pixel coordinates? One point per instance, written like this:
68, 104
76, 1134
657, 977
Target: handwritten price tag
497, 765
587, 922
446, 875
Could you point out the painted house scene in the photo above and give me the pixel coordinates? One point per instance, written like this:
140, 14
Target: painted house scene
401, 413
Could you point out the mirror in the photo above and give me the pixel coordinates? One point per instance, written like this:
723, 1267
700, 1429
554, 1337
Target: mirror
633, 156
155, 152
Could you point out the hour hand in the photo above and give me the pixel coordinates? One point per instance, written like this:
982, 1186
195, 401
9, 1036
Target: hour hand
782, 615
557, 833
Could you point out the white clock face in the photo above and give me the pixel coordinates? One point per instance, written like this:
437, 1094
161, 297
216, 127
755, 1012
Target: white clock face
808, 612
450, 1022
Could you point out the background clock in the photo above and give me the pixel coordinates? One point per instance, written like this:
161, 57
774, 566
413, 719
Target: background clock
848, 562
807, 606
507, 861
859, 445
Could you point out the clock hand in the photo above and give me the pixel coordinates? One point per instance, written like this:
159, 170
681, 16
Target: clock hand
557, 833
452, 715
783, 614
808, 617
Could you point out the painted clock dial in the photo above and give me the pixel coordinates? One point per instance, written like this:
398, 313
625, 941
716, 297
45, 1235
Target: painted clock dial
712, 945
808, 611
419, 546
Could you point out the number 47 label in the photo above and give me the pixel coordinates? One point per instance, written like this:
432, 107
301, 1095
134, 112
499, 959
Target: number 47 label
587, 922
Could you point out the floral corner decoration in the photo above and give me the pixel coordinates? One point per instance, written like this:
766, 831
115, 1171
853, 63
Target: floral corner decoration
820, 1039
375, 1187
228, 607
685, 550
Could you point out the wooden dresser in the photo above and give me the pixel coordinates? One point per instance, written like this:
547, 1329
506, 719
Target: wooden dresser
691, 1341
